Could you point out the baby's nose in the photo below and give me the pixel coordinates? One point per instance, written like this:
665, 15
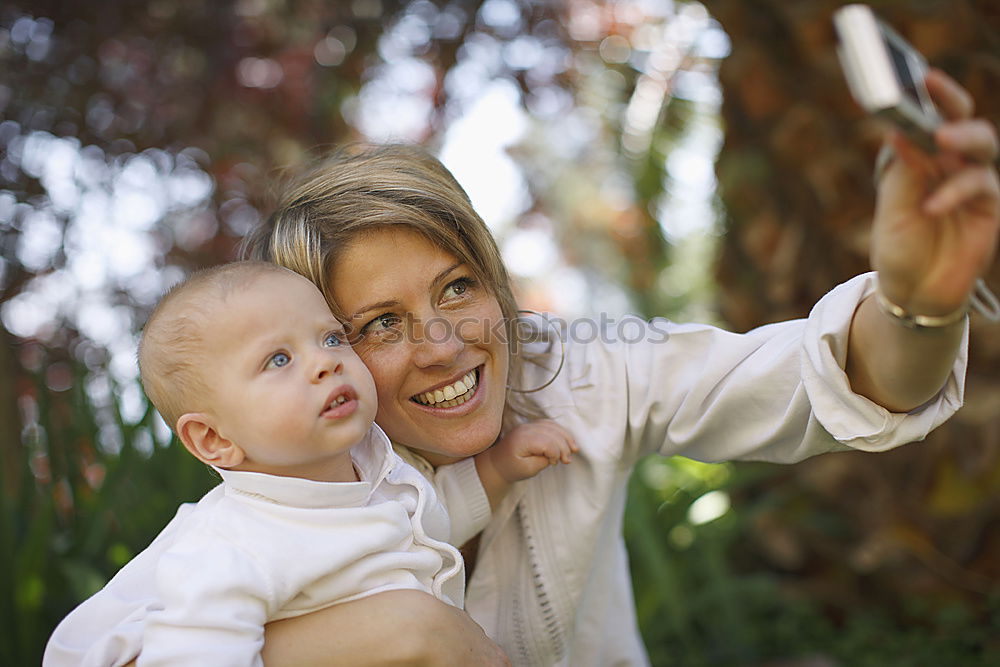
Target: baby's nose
327, 366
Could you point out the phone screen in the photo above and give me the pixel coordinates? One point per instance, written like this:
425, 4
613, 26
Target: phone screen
902, 68
912, 83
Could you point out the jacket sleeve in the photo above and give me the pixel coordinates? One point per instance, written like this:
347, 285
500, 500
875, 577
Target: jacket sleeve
106, 629
86, 638
215, 604
777, 393
462, 494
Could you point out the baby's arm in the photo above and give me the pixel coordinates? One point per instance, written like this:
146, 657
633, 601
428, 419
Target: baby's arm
522, 453
214, 608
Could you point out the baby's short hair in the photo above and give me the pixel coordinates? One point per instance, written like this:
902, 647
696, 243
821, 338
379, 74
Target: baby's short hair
171, 344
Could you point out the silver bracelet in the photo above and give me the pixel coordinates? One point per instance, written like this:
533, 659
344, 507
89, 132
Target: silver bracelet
982, 299
914, 321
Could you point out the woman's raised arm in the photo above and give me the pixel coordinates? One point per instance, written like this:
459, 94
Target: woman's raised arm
935, 232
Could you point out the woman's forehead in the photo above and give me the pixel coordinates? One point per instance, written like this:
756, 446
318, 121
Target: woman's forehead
385, 265
393, 238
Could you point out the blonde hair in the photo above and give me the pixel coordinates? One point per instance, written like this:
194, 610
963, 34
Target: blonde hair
171, 346
360, 189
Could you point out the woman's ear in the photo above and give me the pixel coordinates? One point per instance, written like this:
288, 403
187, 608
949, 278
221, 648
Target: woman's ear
200, 437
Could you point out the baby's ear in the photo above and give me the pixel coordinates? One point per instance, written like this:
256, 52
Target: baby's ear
200, 437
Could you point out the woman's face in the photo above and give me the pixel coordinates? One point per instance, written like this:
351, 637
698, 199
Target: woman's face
433, 338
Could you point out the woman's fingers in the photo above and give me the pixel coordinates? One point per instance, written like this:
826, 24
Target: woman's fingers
975, 139
968, 150
963, 187
907, 152
952, 100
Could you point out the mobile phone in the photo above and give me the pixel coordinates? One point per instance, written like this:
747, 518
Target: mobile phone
885, 73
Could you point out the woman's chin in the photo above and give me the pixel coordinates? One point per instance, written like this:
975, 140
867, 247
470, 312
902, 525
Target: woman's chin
463, 445
451, 440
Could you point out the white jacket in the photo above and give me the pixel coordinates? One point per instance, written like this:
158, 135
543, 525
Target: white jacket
552, 583
259, 548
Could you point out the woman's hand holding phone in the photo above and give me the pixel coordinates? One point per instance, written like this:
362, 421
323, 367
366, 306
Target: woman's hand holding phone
937, 217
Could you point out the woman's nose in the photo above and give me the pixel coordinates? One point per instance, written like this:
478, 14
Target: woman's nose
436, 342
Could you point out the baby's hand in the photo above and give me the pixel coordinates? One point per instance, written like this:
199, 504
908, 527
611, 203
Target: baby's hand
530, 448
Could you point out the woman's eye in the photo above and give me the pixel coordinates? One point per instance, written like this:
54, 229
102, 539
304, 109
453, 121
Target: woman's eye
381, 323
278, 360
333, 339
458, 287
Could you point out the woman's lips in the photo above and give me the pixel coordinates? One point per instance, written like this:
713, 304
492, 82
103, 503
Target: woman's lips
459, 403
458, 389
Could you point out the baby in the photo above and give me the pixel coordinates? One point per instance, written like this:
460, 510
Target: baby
248, 365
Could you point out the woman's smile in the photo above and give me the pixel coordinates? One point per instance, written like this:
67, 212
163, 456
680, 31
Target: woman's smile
451, 394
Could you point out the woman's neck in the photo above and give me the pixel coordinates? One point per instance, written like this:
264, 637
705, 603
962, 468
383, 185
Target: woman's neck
436, 459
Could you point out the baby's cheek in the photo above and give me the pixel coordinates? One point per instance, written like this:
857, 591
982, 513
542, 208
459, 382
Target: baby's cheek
385, 407
388, 369
369, 406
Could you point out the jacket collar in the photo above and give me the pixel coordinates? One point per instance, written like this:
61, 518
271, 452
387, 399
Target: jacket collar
372, 459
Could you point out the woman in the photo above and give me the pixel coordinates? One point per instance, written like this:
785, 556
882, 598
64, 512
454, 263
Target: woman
394, 244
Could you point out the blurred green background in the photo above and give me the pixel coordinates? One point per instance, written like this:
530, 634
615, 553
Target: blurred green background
696, 160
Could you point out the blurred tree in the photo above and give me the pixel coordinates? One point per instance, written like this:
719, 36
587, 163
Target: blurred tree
914, 537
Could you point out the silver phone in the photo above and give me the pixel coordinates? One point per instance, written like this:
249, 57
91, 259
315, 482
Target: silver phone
885, 73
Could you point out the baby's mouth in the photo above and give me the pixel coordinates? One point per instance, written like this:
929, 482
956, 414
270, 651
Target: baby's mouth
340, 396
454, 394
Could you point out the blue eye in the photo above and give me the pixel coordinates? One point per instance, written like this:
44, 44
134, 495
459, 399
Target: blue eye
278, 360
333, 339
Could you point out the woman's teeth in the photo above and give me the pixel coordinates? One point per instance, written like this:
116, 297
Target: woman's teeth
450, 396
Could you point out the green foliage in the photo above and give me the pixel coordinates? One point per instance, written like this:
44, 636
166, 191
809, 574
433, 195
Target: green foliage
699, 604
78, 512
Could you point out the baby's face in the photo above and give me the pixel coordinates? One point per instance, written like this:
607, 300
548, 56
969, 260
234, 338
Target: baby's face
286, 386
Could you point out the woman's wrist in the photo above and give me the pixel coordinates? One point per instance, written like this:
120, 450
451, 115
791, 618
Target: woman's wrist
915, 320
895, 366
981, 299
